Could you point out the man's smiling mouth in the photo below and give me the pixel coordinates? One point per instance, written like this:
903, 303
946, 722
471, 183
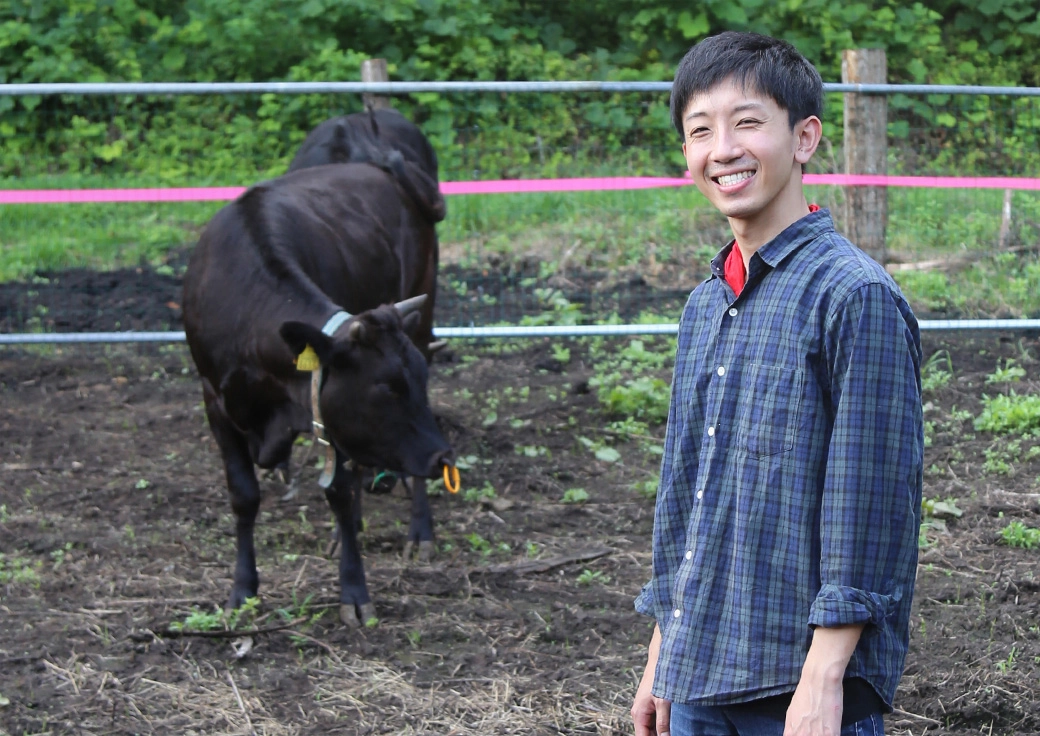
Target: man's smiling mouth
730, 179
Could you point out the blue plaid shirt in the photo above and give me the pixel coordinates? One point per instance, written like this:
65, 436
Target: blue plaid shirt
790, 489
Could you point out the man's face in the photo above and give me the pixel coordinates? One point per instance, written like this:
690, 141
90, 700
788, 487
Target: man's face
743, 154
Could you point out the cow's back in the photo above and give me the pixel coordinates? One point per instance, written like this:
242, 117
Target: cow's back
341, 236
364, 138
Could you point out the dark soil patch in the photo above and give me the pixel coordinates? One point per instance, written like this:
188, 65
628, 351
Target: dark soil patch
114, 525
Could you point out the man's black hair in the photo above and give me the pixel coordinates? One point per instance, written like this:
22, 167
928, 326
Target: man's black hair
767, 65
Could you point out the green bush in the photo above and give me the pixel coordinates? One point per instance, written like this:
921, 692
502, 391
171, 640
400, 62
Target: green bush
239, 138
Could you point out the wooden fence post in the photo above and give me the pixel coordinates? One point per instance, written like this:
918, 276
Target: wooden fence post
374, 70
866, 150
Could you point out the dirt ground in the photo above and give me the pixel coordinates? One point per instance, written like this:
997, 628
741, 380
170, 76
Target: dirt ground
114, 527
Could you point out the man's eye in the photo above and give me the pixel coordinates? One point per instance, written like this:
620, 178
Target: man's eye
748, 121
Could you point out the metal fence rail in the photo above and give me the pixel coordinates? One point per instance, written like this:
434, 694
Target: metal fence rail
475, 333
403, 88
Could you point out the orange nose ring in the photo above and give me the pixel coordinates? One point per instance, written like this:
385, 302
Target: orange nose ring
451, 478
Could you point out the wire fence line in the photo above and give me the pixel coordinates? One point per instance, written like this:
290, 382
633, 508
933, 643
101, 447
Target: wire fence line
402, 88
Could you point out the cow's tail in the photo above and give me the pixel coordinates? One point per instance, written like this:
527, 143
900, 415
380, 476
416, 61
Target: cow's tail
418, 185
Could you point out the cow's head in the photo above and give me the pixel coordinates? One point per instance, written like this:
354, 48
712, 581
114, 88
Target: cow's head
373, 398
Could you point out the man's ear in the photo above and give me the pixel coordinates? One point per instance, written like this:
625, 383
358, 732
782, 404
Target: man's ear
808, 134
298, 335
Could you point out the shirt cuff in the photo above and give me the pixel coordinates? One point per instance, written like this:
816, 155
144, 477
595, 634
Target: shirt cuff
837, 605
644, 602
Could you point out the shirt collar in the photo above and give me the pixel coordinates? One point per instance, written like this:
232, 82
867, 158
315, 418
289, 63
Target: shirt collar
783, 245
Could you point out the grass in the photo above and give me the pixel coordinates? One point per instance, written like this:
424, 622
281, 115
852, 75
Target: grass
665, 235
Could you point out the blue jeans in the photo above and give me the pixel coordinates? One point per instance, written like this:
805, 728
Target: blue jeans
718, 720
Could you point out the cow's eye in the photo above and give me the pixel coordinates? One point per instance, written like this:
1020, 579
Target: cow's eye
398, 387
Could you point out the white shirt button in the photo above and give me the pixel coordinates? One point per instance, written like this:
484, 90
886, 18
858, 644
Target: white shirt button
677, 613
689, 555
700, 495
732, 311
711, 431
721, 371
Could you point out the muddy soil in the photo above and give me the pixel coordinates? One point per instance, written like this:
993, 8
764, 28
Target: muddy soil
114, 529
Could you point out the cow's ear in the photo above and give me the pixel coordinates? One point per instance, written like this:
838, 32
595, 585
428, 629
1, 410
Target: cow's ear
298, 335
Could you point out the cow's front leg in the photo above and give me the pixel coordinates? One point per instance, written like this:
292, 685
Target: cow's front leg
420, 531
344, 499
244, 492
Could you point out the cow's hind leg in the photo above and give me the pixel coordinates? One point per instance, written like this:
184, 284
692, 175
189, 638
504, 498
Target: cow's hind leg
344, 495
420, 531
244, 491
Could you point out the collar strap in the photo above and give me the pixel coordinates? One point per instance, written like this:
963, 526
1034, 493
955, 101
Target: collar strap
335, 322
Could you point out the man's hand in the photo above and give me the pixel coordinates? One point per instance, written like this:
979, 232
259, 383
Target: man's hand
651, 715
818, 700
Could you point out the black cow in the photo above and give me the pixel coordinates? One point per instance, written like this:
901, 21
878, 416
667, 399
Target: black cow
273, 273
379, 136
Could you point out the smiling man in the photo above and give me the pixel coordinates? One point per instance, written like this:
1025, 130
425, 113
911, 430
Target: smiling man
785, 533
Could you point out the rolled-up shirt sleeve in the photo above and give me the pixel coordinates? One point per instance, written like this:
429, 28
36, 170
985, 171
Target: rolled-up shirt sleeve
870, 509
644, 602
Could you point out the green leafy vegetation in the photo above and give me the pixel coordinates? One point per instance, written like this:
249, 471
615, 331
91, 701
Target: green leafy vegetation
628, 382
588, 577
1009, 373
647, 488
937, 371
1009, 414
575, 495
476, 495
1017, 534
17, 570
479, 544
934, 514
218, 620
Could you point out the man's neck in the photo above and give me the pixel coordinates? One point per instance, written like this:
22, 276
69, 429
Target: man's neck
754, 233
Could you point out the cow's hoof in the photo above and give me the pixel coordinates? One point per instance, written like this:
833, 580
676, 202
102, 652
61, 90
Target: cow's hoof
423, 554
356, 616
238, 598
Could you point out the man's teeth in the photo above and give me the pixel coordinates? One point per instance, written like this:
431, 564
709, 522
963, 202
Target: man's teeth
731, 179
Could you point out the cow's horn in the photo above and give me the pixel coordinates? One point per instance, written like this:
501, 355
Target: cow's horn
436, 345
356, 331
410, 305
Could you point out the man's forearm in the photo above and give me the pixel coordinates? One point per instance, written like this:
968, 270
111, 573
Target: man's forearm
830, 652
817, 704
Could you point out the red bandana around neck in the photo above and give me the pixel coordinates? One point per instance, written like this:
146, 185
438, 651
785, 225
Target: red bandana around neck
733, 268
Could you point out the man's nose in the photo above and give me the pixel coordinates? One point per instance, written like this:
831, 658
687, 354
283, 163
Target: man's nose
727, 146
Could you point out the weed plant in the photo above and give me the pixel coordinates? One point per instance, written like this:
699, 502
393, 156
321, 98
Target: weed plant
1010, 414
1017, 534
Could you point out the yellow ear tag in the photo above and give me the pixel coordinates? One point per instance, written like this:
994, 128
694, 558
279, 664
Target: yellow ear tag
308, 360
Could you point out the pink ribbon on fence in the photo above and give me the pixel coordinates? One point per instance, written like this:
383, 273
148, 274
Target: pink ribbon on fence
511, 186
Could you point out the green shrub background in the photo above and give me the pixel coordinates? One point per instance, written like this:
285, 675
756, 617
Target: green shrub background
236, 138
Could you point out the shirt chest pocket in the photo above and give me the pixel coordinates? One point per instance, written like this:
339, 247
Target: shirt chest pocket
768, 414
